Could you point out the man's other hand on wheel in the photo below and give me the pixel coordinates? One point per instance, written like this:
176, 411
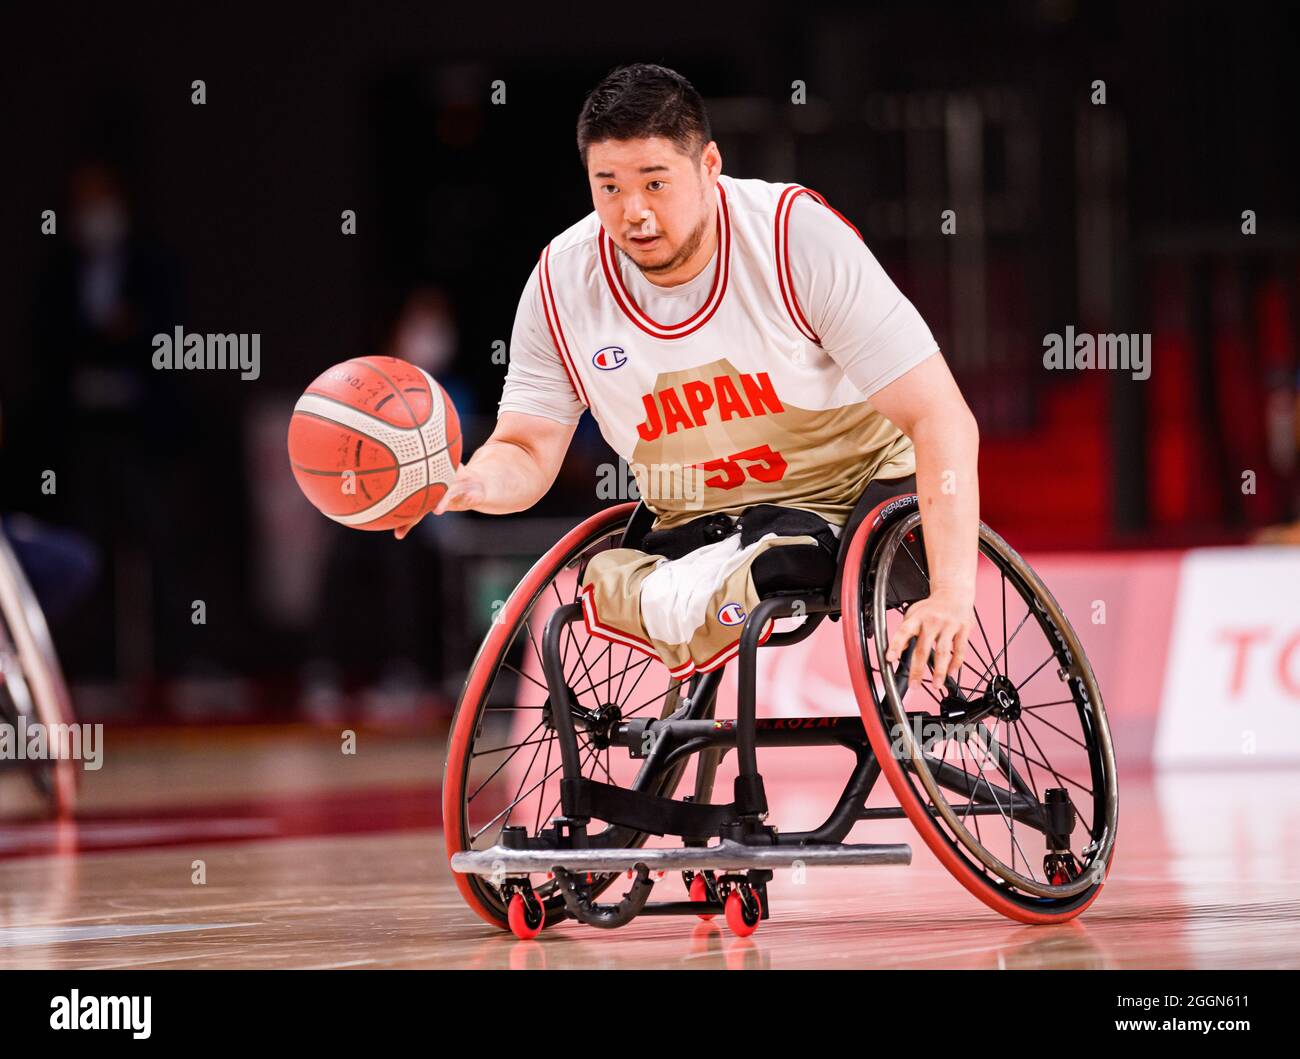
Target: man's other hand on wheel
942, 623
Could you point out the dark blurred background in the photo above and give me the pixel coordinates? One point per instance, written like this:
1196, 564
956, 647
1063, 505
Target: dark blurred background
171, 488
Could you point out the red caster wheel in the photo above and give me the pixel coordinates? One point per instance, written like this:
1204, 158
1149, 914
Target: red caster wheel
700, 892
743, 916
526, 916
1061, 870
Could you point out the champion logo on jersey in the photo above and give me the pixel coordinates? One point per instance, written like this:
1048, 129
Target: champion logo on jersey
731, 614
609, 358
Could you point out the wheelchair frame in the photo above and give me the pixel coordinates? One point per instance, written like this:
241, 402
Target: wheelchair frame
747, 849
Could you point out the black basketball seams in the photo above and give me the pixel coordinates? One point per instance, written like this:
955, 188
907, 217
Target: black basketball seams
357, 473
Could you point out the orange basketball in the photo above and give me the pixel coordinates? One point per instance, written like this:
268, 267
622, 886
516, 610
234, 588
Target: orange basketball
374, 442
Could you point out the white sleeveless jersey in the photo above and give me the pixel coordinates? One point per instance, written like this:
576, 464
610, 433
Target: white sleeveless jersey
737, 404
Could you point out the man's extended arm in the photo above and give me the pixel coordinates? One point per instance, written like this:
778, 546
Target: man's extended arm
926, 405
876, 335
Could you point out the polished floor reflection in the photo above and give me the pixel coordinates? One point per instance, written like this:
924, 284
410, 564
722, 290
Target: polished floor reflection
272, 849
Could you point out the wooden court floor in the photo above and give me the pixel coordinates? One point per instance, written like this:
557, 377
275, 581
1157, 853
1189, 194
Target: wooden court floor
267, 849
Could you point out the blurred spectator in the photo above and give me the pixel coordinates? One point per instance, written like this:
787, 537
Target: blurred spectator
60, 564
96, 414
1284, 421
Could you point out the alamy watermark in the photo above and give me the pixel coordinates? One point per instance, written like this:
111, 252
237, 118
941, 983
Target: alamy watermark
1071, 351
652, 481
36, 741
929, 734
208, 352
92, 1012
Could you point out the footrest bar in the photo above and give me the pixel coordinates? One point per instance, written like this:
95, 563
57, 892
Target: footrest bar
725, 856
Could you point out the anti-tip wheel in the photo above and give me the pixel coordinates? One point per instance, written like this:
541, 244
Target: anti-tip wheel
700, 893
525, 916
743, 916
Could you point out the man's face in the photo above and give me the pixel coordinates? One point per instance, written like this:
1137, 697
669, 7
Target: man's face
655, 202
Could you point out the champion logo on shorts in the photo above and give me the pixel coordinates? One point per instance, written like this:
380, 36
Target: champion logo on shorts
731, 614
609, 358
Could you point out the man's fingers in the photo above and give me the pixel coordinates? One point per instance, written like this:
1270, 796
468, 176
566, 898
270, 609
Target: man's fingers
898, 642
943, 653
463, 494
924, 642
958, 653
401, 531
453, 499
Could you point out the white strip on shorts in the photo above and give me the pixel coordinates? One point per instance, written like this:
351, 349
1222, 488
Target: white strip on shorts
676, 594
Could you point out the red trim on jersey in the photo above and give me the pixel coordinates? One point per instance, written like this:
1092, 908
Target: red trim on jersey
623, 298
792, 309
557, 332
781, 244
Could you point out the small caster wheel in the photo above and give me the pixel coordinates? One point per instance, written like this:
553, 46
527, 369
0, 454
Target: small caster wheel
700, 892
743, 910
1061, 869
526, 916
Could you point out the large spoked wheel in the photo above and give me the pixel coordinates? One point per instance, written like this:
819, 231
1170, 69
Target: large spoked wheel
503, 761
1008, 774
31, 681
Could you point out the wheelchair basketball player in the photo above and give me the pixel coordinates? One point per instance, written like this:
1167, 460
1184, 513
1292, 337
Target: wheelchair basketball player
741, 348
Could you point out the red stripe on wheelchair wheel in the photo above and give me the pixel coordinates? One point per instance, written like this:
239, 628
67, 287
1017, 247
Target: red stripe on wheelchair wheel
486, 664
908, 798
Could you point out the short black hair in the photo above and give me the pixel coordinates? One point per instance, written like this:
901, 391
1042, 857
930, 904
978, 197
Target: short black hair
641, 100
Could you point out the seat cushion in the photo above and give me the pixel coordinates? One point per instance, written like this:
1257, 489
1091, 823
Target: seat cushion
794, 568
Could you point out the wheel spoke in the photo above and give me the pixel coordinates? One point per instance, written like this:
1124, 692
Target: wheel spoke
537, 651
537, 827
515, 669
503, 764
1037, 669
1015, 844
983, 634
521, 797
1067, 735
1029, 764
1005, 646
1046, 765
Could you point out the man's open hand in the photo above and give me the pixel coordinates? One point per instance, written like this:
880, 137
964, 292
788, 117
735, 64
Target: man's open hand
942, 623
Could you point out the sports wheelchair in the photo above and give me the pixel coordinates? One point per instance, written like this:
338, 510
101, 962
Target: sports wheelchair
566, 752
32, 689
